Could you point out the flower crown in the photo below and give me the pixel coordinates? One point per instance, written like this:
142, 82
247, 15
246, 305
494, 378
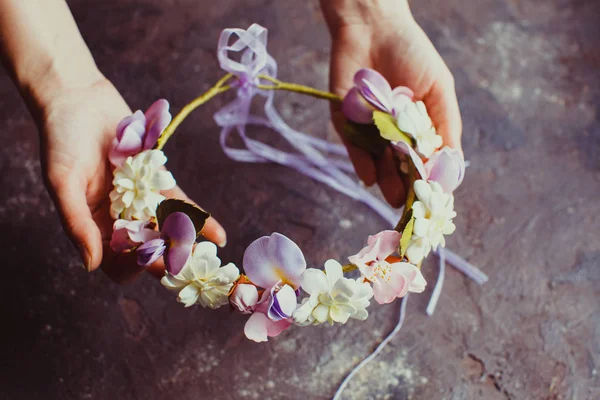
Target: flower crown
276, 288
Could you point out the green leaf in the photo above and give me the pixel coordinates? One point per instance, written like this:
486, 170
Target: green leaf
365, 136
196, 214
388, 129
406, 235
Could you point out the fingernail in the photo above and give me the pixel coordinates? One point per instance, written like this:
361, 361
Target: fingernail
85, 257
223, 243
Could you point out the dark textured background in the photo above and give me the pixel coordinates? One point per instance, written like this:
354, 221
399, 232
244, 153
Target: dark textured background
527, 80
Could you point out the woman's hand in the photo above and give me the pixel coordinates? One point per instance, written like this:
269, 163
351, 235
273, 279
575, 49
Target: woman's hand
382, 35
77, 128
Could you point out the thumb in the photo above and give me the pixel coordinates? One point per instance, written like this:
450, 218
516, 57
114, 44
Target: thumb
442, 105
69, 195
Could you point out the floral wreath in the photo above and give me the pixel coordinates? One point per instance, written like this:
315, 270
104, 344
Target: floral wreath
276, 288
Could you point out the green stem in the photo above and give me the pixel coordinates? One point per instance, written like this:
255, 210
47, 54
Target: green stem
293, 87
219, 87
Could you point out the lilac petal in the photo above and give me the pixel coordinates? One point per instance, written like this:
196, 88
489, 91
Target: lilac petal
356, 108
272, 259
119, 241
178, 229
283, 303
138, 119
388, 243
144, 235
375, 88
150, 251
130, 144
447, 168
158, 118
176, 256
408, 150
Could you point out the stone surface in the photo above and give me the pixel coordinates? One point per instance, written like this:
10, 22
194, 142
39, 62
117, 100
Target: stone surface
527, 80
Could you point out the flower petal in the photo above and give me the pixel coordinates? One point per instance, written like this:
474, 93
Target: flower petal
150, 251
385, 291
256, 327
189, 295
375, 88
334, 271
389, 242
157, 117
356, 108
408, 150
162, 180
283, 304
446, 167
178, 229
274, 258
314, 281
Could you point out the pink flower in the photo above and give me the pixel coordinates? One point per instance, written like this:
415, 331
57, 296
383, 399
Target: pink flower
372, 92
139, 131
128, 234
276, 264
244, 297
390, 279
446, 166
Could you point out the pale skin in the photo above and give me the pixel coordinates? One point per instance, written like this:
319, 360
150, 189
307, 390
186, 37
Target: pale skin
77, 108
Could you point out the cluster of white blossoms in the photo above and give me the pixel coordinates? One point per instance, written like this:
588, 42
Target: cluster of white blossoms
412, 118
433, 213
203, 280
332, 297
137, 185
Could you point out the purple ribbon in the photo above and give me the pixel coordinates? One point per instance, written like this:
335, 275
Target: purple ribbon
325, 162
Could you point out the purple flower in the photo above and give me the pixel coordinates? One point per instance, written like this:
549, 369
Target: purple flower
276, 264
446, 166
372, 92
139, 131
127, 234
177, 238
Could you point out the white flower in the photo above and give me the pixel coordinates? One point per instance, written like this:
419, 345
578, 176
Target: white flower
433, 213
333, 298
202, 280
413, 119
138, 183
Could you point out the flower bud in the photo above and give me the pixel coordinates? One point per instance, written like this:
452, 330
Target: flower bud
244, 297
446, 167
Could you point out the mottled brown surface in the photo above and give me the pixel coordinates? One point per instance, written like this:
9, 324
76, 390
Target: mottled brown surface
527, 79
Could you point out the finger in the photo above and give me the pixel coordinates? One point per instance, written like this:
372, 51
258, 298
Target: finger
212, 229
389, 180
69, 193
443, 109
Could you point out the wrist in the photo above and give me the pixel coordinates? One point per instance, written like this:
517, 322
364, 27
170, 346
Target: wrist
53, 77
367, 13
